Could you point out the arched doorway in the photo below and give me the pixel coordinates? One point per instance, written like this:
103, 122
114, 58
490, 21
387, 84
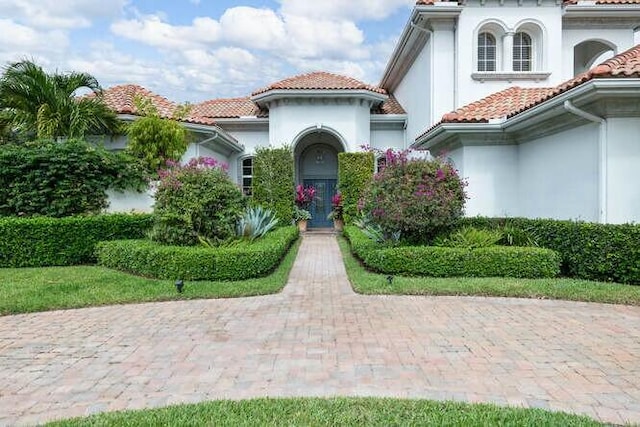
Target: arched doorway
316, 155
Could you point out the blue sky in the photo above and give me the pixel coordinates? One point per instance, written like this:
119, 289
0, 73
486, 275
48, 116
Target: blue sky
193, 50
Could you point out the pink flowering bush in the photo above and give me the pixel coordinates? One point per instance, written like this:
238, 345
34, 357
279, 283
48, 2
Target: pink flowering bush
196, 201
304, 196
418, 198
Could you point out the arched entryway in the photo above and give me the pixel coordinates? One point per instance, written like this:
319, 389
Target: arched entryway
316, 154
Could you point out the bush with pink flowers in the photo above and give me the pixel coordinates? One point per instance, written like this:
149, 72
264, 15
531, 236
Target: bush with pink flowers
417, 198
196, 201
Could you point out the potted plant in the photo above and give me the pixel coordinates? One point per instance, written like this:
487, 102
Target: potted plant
337, 212
303, 199
301, 217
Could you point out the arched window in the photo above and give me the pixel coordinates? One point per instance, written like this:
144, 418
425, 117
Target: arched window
247, 176
486, 52
522, 52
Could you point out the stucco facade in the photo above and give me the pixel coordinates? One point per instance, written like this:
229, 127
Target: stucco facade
556, 146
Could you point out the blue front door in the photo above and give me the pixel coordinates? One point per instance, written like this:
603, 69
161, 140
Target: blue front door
321, 205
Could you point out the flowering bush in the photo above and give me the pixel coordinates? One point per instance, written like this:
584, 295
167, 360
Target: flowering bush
304, 196
196, 201
337, 208
419, 198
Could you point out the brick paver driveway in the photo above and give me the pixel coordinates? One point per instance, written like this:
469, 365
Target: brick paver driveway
318, 338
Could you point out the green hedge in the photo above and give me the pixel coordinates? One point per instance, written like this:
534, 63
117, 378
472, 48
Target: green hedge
44, 241
273, 182
243, 261
602, 252
494, 261
355, 171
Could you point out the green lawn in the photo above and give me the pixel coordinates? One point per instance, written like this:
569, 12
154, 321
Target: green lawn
25, 290
333, 412
366, 282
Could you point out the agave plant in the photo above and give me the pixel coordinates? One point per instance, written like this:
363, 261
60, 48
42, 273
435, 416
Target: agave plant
255, 223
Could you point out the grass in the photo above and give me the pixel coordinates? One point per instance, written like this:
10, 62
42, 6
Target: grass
27, 290
332, 412
366, 282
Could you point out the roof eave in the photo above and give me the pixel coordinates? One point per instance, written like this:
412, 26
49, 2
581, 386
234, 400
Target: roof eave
442, 133
405, 51
601, 11
222, 137
262, 99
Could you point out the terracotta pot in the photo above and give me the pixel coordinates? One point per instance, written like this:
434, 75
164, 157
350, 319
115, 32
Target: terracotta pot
338, 224
302, 225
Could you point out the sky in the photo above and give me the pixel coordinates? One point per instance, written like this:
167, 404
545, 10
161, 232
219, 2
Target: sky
195, 50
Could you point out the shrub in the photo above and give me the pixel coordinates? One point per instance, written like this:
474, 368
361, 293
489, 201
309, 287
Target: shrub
242, 261
470, 238
273, 181
419, 198
42, 241
355, 172
255, 223
495, 261
155, 139
62, 179
602, 252
196, 201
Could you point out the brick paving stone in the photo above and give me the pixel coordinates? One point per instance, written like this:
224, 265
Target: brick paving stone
319, 338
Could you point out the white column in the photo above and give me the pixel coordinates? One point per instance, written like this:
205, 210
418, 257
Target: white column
443, 68
507, 51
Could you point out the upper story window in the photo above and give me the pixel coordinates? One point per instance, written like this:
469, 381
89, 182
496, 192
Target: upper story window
247, 176
522, 52
487, 54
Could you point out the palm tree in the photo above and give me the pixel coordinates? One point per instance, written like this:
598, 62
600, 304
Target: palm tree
44, 105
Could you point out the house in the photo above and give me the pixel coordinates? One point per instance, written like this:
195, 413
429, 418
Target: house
511, 91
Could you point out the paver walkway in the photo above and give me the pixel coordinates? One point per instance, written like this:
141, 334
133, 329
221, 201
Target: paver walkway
318, 338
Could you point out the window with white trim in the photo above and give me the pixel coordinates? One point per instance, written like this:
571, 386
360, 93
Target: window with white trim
247, 176
522, 52
487, 53
381, 163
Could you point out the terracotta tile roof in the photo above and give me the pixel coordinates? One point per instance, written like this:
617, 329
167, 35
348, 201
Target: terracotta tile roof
228, 108
121, 100
390, 106
570, 2
320, 80
515, 100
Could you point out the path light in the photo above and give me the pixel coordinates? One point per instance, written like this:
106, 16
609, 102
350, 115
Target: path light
179, 286
390, 280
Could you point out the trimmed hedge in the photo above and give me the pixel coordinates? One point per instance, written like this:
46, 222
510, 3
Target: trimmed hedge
243, 261
494, 261
601, 252
355, 172
44, 241
273, 181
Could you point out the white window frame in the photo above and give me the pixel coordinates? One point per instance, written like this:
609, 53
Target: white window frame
486, 46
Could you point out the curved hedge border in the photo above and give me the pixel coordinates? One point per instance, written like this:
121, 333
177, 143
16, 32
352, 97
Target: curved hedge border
243, 261
601, 252
495, 261
44, 241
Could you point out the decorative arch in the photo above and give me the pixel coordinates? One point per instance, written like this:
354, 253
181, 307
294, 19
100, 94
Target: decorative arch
590, 53
536, 31
488, 32
318, 129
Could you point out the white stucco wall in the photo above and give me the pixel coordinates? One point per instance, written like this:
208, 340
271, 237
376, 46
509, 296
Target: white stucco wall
250, 139
491, 172
349, 117
510, 17
383, 139
414, 94
130, 201
558, 175
623, 166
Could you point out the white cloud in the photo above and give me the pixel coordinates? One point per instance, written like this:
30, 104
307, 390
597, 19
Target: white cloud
253, 28
154, 31
60, 14
19, 42
349, 9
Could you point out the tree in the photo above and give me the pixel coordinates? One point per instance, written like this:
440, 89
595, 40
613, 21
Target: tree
154, 139
35, 104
